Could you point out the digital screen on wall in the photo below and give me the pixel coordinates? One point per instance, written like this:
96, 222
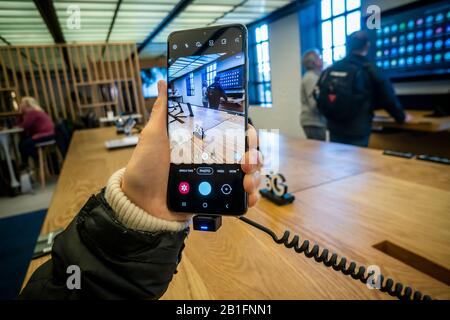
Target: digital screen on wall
150, 78
414, 42
231, 79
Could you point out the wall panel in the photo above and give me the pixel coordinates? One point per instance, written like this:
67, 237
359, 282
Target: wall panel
71, 79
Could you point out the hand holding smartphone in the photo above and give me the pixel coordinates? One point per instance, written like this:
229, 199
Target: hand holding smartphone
207, 120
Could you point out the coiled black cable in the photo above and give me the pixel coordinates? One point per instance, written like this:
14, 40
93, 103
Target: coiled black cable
389, 286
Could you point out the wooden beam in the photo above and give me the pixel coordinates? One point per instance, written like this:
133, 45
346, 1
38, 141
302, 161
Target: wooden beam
121, 107
62, 106
22, 72
50, 83
66, 84
111, 26
5, 71
125, 76
13, 69
48, 13
43, 81
31, 71
138, 75
72, 53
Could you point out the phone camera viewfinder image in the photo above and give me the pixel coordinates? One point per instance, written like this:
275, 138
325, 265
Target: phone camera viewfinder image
207, 120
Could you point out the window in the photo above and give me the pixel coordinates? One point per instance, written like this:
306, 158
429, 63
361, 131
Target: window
211, 73
261, 88
339, 19
190, 84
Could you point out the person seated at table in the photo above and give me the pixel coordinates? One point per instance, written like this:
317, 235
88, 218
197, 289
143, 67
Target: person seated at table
215, 92
38, 127
125, 240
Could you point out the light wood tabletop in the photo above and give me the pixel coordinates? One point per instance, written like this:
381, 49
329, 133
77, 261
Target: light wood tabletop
420, 121
348, 199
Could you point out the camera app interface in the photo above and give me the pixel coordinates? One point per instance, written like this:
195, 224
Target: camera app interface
207, 120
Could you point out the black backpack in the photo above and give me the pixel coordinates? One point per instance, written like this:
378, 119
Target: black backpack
341, 91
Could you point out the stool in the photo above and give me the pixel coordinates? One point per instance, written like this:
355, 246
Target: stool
43, 149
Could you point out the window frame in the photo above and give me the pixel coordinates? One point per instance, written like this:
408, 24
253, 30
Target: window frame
330, 19
190, 87
255, 82
211, 73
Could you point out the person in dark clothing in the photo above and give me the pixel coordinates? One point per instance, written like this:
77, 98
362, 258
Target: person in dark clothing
125, 241
380, 93
205, 95
215, 92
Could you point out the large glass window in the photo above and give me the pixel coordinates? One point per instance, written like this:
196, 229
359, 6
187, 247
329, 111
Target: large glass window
261, 82
339, 19
190, 89
211, 73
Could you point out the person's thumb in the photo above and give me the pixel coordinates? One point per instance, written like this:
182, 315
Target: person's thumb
159, 110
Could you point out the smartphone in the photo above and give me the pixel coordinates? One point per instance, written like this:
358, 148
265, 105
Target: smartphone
207, 119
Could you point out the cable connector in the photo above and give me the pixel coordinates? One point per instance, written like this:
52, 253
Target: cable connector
207, 223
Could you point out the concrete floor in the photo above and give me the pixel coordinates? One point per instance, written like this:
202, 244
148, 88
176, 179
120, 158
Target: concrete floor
41, 198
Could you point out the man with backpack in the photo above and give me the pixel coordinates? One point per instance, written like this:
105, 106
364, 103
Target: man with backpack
349, 91
215, 92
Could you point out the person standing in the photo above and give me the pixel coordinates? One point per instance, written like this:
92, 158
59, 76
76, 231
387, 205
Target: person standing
205, 95
350, 90
312, 121
215, 92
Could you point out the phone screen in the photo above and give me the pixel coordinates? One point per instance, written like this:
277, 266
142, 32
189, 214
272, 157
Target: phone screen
207, 119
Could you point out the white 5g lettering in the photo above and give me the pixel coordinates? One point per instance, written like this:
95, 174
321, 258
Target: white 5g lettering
275, 184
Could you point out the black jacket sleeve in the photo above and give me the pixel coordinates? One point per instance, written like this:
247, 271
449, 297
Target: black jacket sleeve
384, 95
115, 262
223, 94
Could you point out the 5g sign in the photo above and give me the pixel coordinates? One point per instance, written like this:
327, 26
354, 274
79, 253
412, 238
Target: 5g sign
276, 189
275, 183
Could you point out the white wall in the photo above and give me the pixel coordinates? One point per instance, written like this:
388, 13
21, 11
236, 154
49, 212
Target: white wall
284, 40
180, 85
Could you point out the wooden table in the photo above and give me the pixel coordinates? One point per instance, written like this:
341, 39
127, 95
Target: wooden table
347, 199
419, 123
135, 116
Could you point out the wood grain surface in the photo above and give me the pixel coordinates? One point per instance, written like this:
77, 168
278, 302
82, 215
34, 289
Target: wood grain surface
223, 136
421, 121
347, 199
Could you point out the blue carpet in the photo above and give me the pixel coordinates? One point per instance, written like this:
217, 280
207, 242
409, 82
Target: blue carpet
18, 236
